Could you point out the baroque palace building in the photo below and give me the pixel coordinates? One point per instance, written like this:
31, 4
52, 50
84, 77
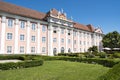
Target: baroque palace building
26, 31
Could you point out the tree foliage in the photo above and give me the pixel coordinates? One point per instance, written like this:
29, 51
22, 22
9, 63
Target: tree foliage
111, 40
93, 49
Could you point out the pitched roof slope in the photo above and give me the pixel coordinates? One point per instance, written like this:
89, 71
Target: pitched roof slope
80, 26
11, 8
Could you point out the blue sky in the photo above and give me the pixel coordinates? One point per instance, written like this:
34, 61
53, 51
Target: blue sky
99, 13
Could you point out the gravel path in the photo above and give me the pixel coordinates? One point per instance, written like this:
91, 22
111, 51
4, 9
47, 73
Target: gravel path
6, 61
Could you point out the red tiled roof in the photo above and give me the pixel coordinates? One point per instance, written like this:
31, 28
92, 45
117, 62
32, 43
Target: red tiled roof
90, 27
80, 26
11, 8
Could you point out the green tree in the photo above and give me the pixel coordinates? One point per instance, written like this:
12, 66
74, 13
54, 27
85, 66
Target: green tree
111, 40
93, 49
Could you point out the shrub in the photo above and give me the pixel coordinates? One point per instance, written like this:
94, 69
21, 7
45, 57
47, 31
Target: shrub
116, 55
112, 74
24, 64
102, 55
104, 62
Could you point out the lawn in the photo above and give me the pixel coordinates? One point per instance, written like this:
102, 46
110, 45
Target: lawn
56, 70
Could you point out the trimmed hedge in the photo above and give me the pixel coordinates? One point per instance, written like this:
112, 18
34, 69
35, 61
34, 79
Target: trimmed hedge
112, 74
104, 62
23, 64
18, 57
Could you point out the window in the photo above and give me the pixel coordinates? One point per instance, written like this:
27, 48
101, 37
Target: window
69, 50
54, 40
54, 31
62, 49
43, 39
33, 38
33, 26
43, 28
22, 26
84, 43
80, 43
80, 50
54, 51
62, 31
43, 49
74, 33
32, 49
10, 23
22, 37
62, 40
9, 49
21, 49
68, 32
74, 41
68, 41
9, 36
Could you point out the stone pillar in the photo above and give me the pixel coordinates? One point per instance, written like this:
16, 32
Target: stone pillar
16, 50
66, 40
2, 43
28, 37
38, 39
59, 42
50, 40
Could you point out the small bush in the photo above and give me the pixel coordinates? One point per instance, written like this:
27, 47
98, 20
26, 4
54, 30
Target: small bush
112, 74
116, 55
102, 55
24, 64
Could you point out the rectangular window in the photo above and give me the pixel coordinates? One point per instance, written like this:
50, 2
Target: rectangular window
21, 49
43, 28
62, 31
62, 40
22, 37
9, 36
80, 43
32, 49
84, 43
22, 26
74, 33
43, 39
68, 41
54, 40
43, 49
33, 38
33, 26
74, 41
9, 49
10, 23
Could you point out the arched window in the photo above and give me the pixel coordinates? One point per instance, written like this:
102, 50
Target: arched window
62, 49
54, 51
69, 50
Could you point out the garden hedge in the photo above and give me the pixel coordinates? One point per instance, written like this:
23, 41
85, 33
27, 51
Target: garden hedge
112, 74
104, 62
23, 64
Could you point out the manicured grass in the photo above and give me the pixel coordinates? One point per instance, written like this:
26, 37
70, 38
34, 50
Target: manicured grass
56, 70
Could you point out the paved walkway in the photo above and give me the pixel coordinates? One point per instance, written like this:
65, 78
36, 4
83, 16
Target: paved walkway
6, 61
